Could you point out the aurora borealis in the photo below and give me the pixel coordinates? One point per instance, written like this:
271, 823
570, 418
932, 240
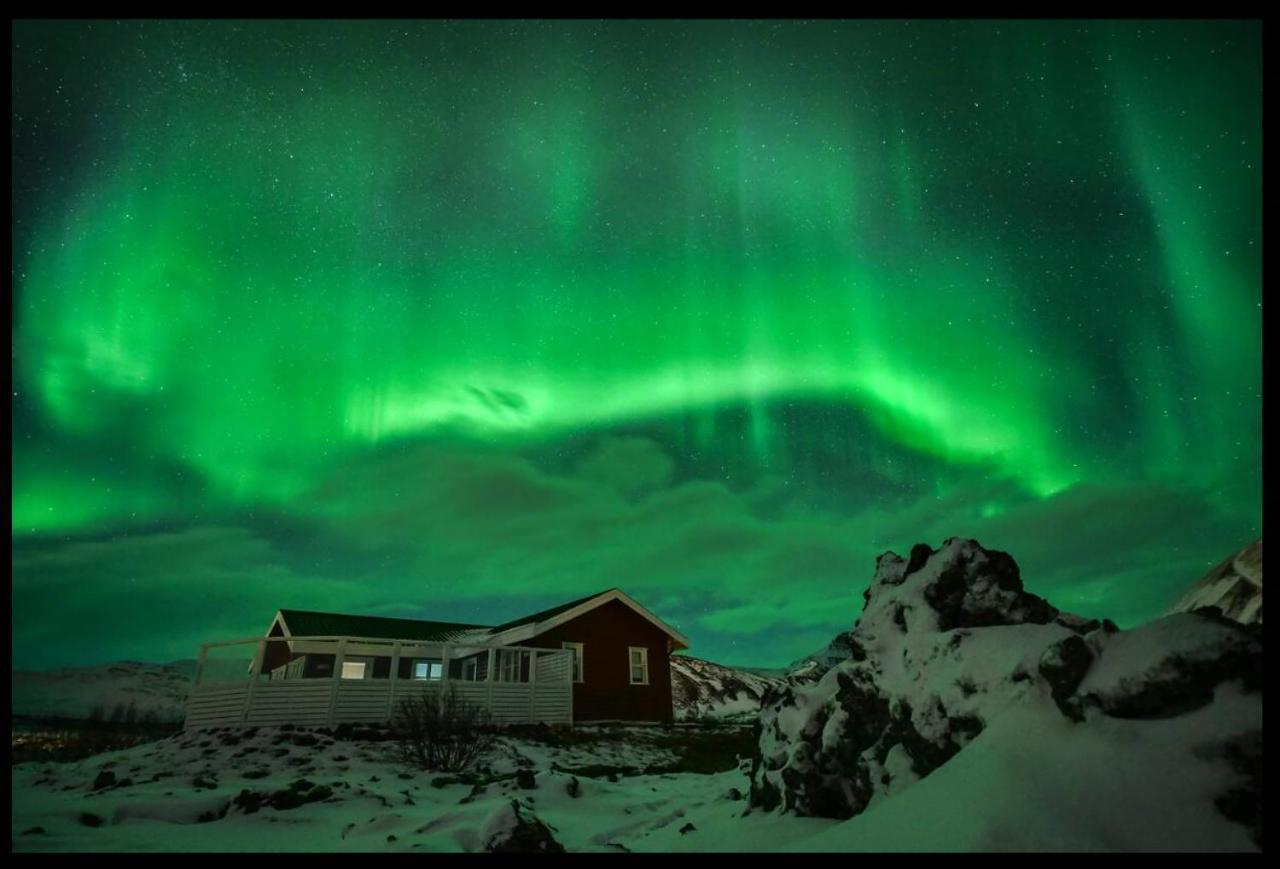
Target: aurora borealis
458, 320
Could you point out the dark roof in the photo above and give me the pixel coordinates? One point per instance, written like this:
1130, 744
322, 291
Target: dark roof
302, 623
546, 614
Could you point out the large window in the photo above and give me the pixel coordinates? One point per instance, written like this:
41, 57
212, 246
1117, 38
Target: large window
428, 670
577, 660
354, 669
639, 665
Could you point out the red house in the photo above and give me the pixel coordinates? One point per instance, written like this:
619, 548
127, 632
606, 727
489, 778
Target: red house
620, 656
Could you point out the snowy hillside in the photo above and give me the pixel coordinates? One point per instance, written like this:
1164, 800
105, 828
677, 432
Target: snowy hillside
1008, 724
75, 692
1234, 587
701, 689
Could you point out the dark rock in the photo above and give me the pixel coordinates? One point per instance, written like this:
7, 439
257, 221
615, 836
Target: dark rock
573, 788
89, 819
687, 828
1063, 665
529, 835
204, 782
249, 801
919, 557
214, 815
105, 779
733, 794
1242, 803
34, 831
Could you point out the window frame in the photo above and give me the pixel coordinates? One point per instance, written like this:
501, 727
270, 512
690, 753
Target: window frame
579, 661
644, 664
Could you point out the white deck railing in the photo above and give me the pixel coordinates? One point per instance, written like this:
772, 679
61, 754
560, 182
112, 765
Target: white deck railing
302, 681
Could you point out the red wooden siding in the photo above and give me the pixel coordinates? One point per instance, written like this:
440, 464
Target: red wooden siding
606, 632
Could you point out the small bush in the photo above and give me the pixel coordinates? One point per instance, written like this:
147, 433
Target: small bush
441, 731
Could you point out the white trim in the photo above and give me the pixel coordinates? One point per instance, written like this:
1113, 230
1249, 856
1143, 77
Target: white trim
523, 632
580, 661
644, 650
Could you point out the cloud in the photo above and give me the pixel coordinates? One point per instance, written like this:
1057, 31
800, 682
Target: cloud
463, 533
631, 465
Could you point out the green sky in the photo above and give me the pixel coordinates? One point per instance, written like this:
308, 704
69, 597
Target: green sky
459, 320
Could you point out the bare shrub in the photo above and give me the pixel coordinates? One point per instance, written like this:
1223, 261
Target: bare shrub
441, 730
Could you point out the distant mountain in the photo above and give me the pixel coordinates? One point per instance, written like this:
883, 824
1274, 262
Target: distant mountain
812, 667
1234, 587
75, 692
701, 689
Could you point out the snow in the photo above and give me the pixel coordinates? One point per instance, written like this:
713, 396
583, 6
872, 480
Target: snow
1137, 655
160, 811
1033, 781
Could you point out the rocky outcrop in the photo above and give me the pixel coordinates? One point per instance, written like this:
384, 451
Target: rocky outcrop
948, 641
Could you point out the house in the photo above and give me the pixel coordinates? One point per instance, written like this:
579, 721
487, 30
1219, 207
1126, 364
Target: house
601, 658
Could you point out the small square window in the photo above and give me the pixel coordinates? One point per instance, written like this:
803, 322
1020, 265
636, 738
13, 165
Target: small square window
353, 669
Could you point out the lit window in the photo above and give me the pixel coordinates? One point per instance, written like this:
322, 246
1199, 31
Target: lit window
353, 669
639, 665
428, 670
577, 660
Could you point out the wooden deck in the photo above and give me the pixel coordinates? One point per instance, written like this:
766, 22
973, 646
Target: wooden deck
539, 692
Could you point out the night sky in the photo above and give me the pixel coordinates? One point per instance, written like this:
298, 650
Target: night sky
460, 320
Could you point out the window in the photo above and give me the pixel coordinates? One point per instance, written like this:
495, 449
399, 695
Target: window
509, 665
353, 669
431, 670
639, 665
577, 660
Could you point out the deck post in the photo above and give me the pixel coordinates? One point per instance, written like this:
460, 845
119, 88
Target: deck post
254, 670
571, 686
533, 682
391, 681
444, 675
491, 674
204, 654
337, 679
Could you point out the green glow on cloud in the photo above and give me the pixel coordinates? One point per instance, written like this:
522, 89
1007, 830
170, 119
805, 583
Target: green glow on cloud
249, 256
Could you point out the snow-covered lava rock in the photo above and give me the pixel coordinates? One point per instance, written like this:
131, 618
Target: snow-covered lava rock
950, 643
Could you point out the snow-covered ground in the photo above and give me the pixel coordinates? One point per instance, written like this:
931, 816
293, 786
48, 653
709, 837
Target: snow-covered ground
181, 794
